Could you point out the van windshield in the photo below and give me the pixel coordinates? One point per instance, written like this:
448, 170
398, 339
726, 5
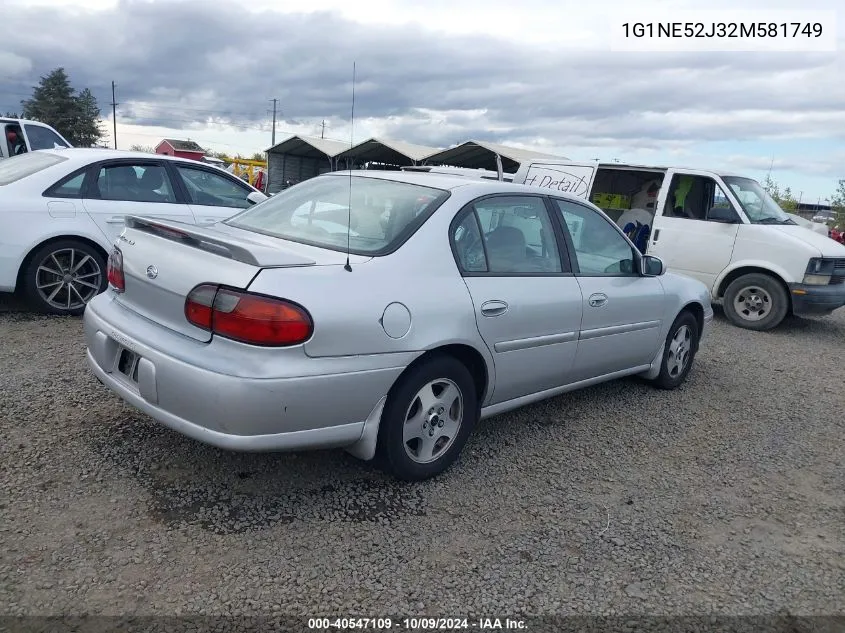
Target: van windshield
383, 215
758, 205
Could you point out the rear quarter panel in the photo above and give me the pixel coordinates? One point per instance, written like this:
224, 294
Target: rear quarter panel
26, 223
420, 280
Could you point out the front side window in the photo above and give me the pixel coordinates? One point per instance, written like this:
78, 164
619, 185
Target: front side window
698, 198
758, 205
26, 165
213, 190
15, 143
599, 248
382, 214
41, 137
134, 183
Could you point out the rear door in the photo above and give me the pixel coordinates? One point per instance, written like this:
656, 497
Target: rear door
622, 311
143, 187
695, 226
527, 303
211, 194
572, 177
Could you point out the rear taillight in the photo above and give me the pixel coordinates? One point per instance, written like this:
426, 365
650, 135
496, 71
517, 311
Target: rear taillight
247, 317
114, 270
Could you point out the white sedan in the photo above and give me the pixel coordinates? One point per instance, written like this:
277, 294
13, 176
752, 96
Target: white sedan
61, 210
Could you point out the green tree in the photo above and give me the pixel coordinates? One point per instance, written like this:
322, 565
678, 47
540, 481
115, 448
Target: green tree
88, 124
143, 148
771, 187
259, 156
54, 102
787, 201
11, 115
837, 204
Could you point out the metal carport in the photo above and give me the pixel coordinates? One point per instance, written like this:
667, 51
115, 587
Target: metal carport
384, 152
298, 158
484, 155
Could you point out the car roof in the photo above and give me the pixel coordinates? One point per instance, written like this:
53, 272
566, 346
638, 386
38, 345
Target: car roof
84, 154
446, 182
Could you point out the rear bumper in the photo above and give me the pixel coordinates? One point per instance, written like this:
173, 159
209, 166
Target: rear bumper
241, 413
809, 299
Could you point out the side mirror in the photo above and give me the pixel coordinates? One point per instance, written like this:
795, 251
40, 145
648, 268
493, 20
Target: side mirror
255, 197
651, 266
725, 215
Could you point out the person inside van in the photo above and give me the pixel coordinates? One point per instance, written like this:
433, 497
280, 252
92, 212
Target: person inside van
14, 140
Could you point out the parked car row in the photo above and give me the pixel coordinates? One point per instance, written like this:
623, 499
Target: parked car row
422, 302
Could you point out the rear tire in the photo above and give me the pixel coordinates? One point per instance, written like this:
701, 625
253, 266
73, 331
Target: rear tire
755, 302
427, 419
63, 276
678, 352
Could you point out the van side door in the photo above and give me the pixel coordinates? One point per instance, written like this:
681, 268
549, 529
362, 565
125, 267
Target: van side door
695, 225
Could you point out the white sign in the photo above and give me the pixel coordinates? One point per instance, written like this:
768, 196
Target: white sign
572, 179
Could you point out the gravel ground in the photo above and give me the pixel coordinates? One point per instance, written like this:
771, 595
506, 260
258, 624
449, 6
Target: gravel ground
723, 497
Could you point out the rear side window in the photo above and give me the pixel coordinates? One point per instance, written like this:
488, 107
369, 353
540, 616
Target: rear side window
383, 213
43, 138
19, 167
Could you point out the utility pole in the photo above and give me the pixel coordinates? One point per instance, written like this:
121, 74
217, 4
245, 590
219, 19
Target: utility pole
114, 114
273, 142
323, 131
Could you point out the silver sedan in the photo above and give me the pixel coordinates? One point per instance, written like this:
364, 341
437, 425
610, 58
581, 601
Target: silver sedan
384, 313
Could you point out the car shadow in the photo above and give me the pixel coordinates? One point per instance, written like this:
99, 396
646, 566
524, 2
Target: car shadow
192, 484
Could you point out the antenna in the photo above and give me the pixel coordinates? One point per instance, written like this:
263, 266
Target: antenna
348, 267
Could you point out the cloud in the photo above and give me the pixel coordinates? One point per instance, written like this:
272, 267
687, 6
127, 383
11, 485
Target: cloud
186, 65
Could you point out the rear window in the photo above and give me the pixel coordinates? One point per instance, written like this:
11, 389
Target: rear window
383, 214
18, 167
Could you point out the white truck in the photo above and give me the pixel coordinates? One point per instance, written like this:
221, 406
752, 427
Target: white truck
22, 135
723, 229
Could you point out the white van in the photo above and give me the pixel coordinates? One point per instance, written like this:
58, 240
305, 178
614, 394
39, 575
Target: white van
722, 229
23, 135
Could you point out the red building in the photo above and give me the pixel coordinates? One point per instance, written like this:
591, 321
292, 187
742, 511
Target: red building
182, 149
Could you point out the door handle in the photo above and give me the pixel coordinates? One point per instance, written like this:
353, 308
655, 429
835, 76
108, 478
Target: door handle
493, 308
656, 236
116, 219
598, 300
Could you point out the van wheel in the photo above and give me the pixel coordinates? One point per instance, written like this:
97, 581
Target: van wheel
678, 352
427, 419
756, 302
63, 276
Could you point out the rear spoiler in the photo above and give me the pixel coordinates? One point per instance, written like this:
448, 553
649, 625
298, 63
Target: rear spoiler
235, 247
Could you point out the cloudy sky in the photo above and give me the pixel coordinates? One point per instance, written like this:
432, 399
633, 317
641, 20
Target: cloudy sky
534, 73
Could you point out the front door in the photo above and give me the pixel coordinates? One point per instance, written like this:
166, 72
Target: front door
132, 187
623, 311
695, 226
527, 303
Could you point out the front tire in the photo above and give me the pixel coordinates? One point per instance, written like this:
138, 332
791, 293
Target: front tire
427, 419
63, 276
756, 302
679, 351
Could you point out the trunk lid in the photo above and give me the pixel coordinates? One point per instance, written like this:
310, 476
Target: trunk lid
164, 260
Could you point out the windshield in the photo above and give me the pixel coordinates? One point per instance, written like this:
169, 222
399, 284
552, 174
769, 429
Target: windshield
17, 167
317, 212
758, 205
